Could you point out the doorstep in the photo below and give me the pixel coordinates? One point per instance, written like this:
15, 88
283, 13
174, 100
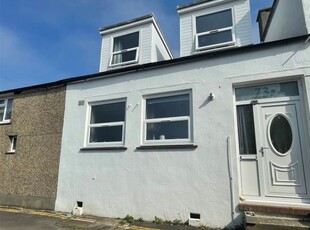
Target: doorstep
276, 208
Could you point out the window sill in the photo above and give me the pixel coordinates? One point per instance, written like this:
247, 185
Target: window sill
103, 148
207, 49
123, 65
185, 146
5, 122
10, 152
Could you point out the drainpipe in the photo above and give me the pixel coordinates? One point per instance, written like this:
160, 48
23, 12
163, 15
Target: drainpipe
231, 178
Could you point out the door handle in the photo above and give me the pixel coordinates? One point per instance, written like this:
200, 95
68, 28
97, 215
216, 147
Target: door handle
262, 150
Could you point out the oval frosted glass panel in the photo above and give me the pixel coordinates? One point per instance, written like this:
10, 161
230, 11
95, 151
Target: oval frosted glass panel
281, 134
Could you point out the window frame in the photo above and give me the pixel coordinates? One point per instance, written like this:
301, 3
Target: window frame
167, 142
124, 50
121, 143
5, 106
217, 45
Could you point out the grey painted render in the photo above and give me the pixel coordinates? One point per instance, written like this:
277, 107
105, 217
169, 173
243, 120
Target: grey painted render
280, 26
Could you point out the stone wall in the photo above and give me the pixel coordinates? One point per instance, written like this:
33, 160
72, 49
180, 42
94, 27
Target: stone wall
28, 177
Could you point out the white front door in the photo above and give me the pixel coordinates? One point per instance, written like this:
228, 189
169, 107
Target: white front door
272, 144
279, 144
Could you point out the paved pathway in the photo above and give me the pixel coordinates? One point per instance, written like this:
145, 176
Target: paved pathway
24, 219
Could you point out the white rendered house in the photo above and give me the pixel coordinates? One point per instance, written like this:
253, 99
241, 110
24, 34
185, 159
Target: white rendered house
198, 138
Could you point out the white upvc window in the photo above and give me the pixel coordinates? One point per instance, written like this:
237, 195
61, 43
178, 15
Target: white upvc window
106, 123
5, 110
13, 140
125, 49
215, 30
167, 119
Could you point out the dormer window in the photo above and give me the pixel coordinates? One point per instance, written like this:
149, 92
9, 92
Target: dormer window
125, 49
214, 30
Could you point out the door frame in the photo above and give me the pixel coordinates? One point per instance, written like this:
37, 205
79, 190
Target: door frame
304, 144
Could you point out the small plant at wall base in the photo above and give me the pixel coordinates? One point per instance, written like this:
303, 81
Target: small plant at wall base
158, 220
128, 219
139, 220
177, 222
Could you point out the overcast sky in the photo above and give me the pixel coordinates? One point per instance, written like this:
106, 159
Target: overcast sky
48, 40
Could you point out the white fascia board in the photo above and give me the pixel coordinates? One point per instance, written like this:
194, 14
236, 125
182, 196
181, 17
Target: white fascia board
127, 26
202, 6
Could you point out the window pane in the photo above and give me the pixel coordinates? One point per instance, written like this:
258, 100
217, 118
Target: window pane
216, 38
126, 42
1, 113
124, 57
167, 130
14, 142
2, 102
172, 106
9, 109
214, 21
267, 91
247, 143
106, 134
108, 113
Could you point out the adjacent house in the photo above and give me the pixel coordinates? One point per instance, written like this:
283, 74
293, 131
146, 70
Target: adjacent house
31, 122
201, 138
274, 22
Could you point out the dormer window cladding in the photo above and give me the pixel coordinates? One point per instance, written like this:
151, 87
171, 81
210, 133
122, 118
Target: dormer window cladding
125, 49
214, 30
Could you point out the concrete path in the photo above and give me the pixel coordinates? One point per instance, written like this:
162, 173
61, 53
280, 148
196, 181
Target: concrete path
25, 219
19, 221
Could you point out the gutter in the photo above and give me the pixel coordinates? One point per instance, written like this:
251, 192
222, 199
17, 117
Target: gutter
165, 63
